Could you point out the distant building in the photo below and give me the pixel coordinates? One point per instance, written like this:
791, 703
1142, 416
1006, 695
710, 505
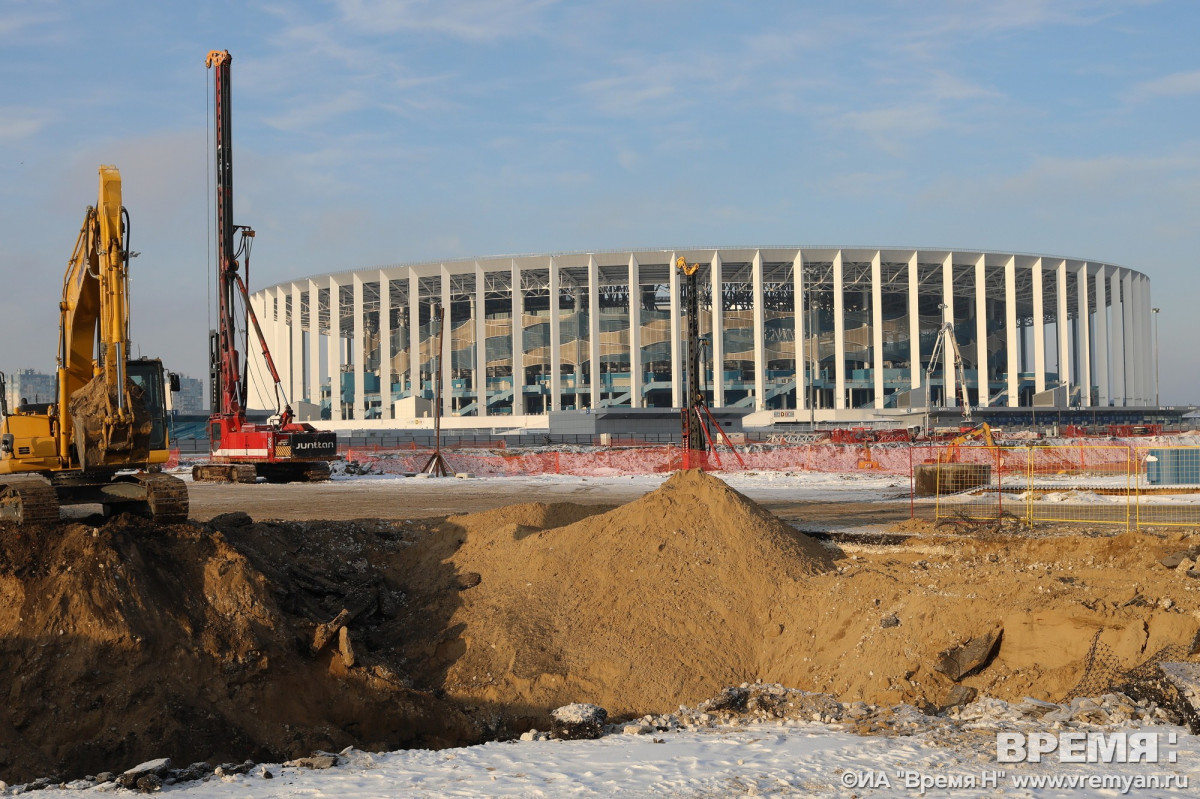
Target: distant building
29, 386
38, 387
190, 396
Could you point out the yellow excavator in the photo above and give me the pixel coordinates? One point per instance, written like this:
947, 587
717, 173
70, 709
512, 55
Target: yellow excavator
104, 437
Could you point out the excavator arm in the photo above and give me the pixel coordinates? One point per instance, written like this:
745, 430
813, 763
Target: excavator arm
101, 420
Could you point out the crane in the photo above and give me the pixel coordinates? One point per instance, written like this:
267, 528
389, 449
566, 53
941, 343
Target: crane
104, 436
946, 348
281, 450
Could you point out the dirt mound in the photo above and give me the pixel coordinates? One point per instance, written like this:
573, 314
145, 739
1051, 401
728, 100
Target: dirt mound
535, 515
660, 601
693, 588
127, 641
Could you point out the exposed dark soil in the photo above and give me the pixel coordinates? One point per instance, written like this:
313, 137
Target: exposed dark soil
123, 641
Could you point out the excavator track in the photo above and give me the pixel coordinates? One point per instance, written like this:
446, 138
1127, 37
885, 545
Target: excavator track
28, 499
295, 471
166, 496
309, 472
224, 473
316, 471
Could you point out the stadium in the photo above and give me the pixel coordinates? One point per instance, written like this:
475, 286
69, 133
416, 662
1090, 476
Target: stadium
527, 339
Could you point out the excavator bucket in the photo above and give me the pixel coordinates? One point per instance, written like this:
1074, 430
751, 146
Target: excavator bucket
105, 434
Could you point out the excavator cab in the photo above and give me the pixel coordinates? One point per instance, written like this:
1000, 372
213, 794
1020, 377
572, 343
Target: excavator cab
147, 375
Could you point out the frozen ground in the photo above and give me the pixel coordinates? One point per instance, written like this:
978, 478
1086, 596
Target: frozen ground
759, 760
814, 486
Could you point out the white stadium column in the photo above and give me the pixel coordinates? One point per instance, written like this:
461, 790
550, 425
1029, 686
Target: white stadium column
280, 349
676, 333
1148, 343
1136, 343
1129, 335
1012, 354
1101, 283
296, 361
981, 334
635, 334
1039, 330
1083, 340
839, 336
798, 303
877, 326
555, 338
481, 380
446, 356
385, 346
263, 304
915, 366
1142, 314
314, 343
414, 337
594, 329
518, 341
359, 354
1117, 348
1062, 324
335, 350
760, 349
949, 379
718, 333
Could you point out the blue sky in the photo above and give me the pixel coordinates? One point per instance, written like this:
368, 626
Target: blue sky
371, 133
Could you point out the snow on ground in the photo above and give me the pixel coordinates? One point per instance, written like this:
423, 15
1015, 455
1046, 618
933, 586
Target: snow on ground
777, 759
815, 486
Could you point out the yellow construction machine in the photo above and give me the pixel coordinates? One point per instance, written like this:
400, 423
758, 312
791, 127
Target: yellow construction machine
104, 437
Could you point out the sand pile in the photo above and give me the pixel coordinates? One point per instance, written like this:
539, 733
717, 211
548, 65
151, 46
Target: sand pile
694, 587
125, 641
661, 601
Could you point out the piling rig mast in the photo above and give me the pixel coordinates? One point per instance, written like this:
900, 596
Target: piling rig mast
698, 421
282, 449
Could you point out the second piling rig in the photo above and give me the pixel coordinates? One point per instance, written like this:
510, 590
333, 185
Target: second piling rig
698, 421
282, 449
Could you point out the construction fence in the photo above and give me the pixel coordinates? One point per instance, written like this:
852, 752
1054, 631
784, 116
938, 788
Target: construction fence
1127, 485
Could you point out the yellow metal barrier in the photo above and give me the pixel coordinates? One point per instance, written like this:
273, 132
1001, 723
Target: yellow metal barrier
973, 483
1167, 491
1080, 483
1077, 483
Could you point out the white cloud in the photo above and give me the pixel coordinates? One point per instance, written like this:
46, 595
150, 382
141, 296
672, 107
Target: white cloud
18, 26
988, 18
20, 123
319, 111
1106, 176
892, 128
472, 20
1179, 84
